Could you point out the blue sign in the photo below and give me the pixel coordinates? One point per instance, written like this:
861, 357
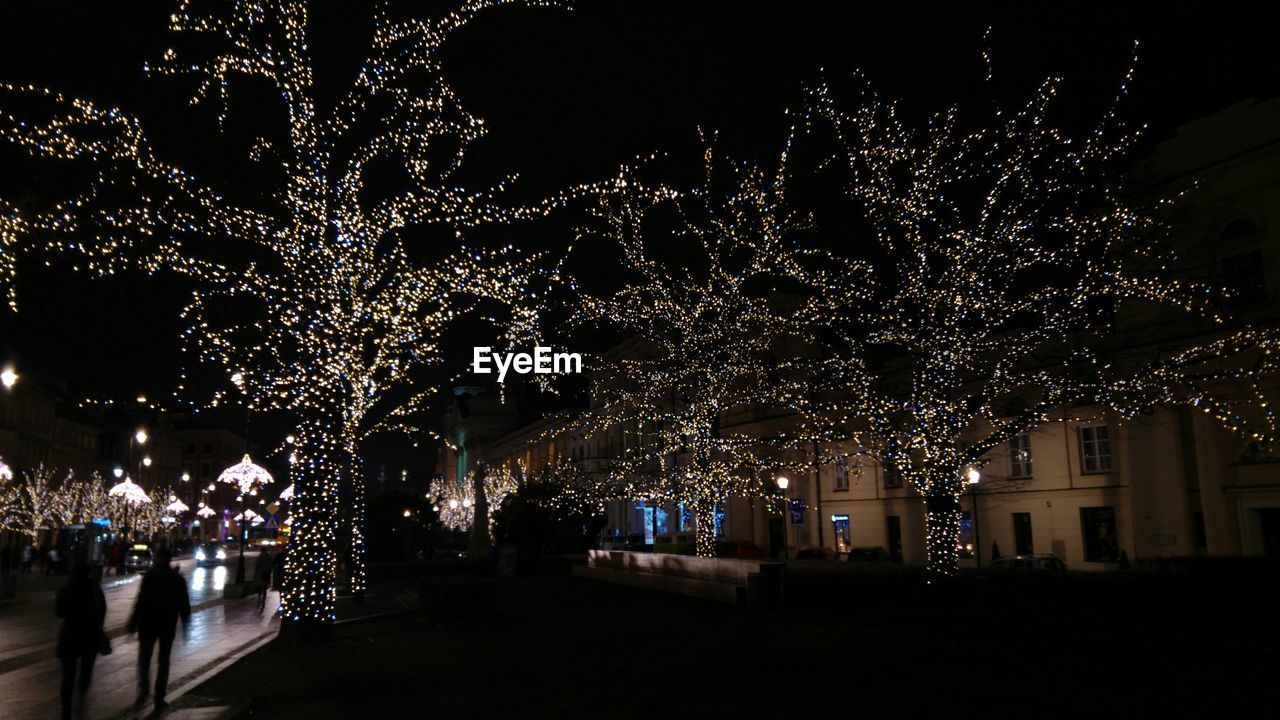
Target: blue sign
796, 507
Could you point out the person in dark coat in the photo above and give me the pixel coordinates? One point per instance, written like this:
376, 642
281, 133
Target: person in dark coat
83, 609
162, 601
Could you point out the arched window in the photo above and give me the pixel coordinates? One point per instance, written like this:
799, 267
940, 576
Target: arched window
1236, 230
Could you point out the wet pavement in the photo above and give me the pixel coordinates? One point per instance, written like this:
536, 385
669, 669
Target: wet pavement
30, 674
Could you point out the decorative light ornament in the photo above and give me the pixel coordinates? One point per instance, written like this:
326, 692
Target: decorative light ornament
177, 507
130, 492
245, 475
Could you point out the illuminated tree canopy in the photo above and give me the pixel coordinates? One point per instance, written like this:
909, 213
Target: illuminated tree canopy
728, 324
309, 299
1013, 250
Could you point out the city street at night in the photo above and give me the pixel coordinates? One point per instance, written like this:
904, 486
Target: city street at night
219, 630
638, 358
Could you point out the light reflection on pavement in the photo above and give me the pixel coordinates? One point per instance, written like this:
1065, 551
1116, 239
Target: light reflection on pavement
29, 674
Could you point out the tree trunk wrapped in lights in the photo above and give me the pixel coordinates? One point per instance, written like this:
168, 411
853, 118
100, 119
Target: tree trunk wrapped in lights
309, 299
714, 329
1008, 245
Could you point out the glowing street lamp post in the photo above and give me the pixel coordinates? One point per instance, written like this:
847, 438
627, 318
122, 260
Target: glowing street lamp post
247, 477
973, 477
783, 482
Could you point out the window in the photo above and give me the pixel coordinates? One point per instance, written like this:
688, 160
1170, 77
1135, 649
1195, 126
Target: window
686, 518
1100, 540
1243, 279
841, 524
892, 477
1095, 449
842, 473
964, 542
1020, 456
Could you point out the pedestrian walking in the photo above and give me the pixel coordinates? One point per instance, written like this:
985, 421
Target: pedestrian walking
117, 557
162, 601
83, 609
28, 557
262, 576
51, 561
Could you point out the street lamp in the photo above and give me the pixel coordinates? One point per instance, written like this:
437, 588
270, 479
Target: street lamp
8, 377
974, 477
118, 472
247, 477
783, 483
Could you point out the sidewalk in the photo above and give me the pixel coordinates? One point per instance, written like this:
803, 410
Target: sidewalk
221, 631
217, 636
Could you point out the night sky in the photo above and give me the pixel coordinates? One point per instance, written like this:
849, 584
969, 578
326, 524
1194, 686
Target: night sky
570, 95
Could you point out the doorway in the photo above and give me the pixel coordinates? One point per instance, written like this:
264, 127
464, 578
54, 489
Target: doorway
1022, 544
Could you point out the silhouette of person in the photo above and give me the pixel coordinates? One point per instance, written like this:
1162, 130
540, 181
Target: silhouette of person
262, 576
83, 609
162, 601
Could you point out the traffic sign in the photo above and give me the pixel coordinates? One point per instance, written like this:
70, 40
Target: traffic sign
796, 507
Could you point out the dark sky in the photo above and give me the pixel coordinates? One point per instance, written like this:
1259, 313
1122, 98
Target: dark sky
570, 95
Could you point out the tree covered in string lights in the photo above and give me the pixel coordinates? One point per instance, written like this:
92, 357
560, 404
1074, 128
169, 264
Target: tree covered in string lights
308, 295
723, 304
37, 500
1006, 246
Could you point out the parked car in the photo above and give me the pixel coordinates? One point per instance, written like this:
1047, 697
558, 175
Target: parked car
1029, 562
816, 553
869, 554
210, 553
138, 558
738, 549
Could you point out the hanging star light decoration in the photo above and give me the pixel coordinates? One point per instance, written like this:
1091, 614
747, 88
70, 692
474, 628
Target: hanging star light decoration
177, 507
130, 492
310, 299
1015, 256
206, 512
246, 476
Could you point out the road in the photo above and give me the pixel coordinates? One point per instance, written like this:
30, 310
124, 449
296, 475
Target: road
29, 673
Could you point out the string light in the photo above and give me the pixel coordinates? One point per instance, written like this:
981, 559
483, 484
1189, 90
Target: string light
350, 316
710, 335
1003, 239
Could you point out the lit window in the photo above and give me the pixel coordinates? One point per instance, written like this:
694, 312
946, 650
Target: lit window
842, 473
1020, 456
1101, 542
